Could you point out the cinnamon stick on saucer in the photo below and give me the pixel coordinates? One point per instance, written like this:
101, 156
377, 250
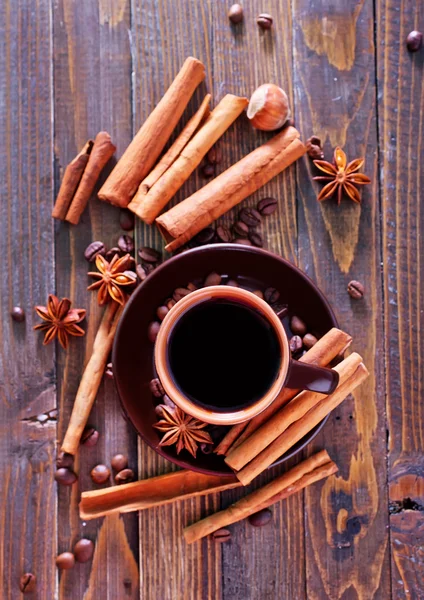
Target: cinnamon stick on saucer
305, 473
70, 181
148, 203
145, 148
179, 224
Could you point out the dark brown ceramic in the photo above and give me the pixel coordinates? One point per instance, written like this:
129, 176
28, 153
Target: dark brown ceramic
254, 268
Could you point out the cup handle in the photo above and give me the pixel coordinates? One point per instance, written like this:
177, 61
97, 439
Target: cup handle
303, 376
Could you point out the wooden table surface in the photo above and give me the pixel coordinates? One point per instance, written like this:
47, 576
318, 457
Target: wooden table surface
70, 69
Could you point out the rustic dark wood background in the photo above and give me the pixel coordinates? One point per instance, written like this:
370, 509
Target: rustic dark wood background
69, 69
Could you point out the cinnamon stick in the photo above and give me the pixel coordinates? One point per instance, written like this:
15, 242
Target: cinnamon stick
333, 343
92, 377
297, 430
102, 151
175, 150
179, 224
310, 470
291, 412
148, 205
156, 491
145, 148
70, 181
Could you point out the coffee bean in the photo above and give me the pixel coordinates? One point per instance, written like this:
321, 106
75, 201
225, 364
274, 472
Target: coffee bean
309, 340
159, 411
180, 293
240, 229
161, 312
256, 239
264, 21
259, 294
28, 583
119, 462
204, 237
126, 219
206, 448
152, 331
214, 155
109, 371
124, 476
235, 14
64, 460
355, 290
223, 234
212, 279
65, 476
112, 252
297, 326
18, 314
250, 216
170, 303
66, 560
280, 309
314, 148
93, 250
243, 242
100, 474
168, 402
191, 287
295, 344
156, 388
208, 171
83, 550
271, 295
266, 206
233, 283
260, 518
126, 244
141, 272
149, 255
414, 41
90, 436
221, 535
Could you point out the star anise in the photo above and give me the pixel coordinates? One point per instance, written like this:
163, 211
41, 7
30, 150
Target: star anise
342, 178
60, 320
112, 276
181, 429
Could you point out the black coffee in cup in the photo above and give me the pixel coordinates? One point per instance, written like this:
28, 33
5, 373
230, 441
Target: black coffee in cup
223, 355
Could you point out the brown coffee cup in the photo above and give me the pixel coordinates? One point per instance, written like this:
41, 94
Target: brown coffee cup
291, 373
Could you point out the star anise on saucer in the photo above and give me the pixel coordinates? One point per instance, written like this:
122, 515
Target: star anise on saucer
60, 320
341, 178
112, 276
181, 429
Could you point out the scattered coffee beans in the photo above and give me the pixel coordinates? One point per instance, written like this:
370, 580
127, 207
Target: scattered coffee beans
141, 272
295, 344
109, 371
256, 239
100, 473
309, 340
240, 229
156, 388
152, 331
223, 234
93, 250
126, 219
243, 241
170, 303
206, 448
208, 171
124, 476
168, 402
119, 462
126, 244
297, 326
212, 279
66, 560
18, 314
28, 583
161, 312
267, 206
149, 255
235, 14
233, 283
205, 236
65, 476
259, 294
264, 21
414, 41
260, 518
112, 252
159, 411
191, 287
90, 436
314, 148
271, 295
83, 550
250, 216
221, 535
180, 293
355, 290
64, 460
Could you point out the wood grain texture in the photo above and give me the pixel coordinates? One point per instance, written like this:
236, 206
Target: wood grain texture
401, 108
92, 74
347, 550
27, 371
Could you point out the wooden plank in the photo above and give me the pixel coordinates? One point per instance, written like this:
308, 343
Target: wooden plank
92, 74
401, 121
27, 380
347, 550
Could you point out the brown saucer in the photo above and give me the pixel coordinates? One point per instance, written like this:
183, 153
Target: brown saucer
133, 353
